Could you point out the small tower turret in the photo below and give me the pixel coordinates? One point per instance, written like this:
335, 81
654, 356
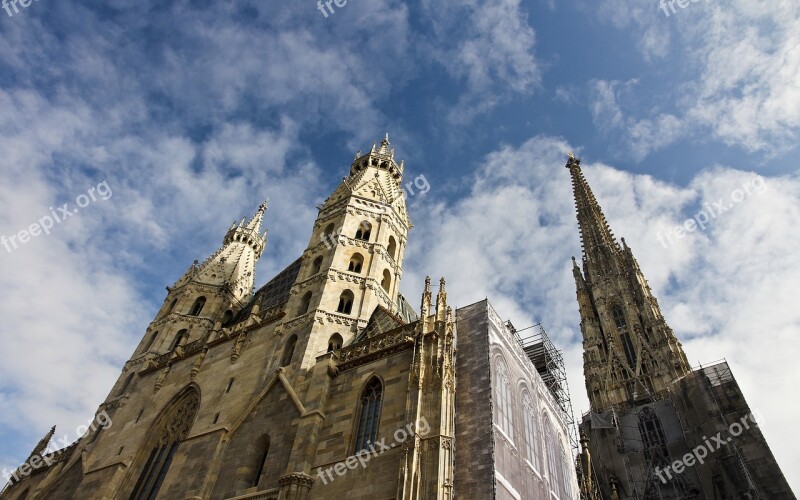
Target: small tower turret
209, 293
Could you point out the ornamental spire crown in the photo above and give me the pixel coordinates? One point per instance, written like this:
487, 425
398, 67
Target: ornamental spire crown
380, 156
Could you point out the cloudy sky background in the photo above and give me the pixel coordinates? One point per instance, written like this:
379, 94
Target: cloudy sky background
193, 111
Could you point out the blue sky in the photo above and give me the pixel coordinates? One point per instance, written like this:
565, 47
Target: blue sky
193, 112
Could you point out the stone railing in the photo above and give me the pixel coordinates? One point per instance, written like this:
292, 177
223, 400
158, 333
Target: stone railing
180, 352
259, 495
362, 352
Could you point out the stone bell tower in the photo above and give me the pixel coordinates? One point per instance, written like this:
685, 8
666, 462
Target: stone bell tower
353, 262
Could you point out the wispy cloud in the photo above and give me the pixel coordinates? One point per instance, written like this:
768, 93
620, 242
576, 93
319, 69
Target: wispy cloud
493, 57
731, 73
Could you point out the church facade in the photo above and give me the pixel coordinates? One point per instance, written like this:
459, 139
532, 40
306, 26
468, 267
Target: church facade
657, 428
324, 383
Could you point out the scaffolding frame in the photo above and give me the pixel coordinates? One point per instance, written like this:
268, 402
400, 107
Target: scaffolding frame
549, 362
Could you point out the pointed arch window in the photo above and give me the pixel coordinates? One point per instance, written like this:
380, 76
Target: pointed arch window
165, 438
197, 307
345, 302
262, 453
227, 317
364, 231
550, 446
180, 339
149, 343
370, 414
392, 248
653, 439
531, 430
566, 473
316, 266
619, 317
288, 351
171, 306
356, 263
335, 342
125, 384
503, 398
305, 303
386, 283
630, 351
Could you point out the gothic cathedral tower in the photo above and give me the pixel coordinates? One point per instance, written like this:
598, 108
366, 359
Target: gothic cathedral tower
629, 351
353, 262
649, 409
209, 293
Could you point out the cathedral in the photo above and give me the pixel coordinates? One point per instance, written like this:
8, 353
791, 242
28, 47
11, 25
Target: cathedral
327, 383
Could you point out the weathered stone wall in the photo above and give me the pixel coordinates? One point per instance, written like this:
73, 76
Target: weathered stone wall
474, 468
378, 480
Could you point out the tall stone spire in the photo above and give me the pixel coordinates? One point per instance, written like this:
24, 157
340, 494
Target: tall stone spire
630, 353
596, 237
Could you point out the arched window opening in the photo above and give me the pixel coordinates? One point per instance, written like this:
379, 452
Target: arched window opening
198, 306
386, 283
356, 262
288, 351
180, 339
316, 265
346, 302
335, 342
503, 398
550, 445
227, 317
305, 303
370, 414
653, 439
261, 455
149, 343
329, 231
165, 437
392, 248
95, 435
619, 317
125, 385
171, 306
630, 352
531, 430
566, 474
364, 231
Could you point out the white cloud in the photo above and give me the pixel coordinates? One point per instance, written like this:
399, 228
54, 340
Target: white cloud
494, 59
731, 73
